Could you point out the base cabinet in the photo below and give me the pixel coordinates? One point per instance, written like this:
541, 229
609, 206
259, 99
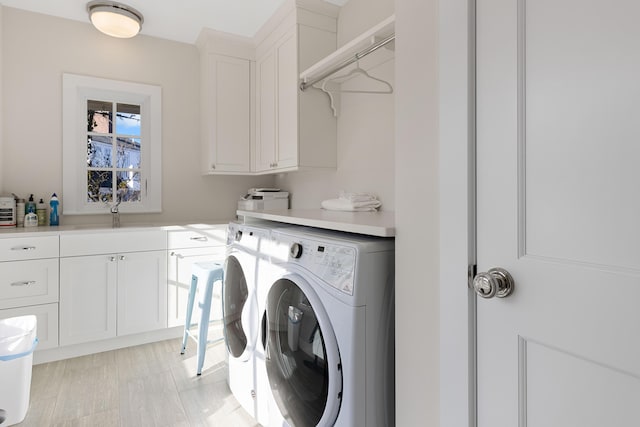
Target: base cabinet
104, 296
187, 247
112, 284
87, 298
29, 283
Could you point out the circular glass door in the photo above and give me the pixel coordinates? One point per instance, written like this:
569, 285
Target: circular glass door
302, 355
234, 297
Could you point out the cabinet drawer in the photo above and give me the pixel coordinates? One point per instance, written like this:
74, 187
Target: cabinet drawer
28, 282
22, 248
197, 238
47, 322
112, 242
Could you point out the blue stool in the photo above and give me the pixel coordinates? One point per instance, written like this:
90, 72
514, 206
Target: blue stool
203, 274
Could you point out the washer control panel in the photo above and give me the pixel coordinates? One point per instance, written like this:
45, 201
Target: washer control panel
335, 264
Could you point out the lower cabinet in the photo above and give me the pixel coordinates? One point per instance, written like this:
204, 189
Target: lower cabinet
103, 296
179, 280
47, 322
185, 247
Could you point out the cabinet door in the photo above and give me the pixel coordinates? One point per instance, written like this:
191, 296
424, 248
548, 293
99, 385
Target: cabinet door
287, 98
142, 292
266, 116
179, 281
87, 298
47, 322
227, 113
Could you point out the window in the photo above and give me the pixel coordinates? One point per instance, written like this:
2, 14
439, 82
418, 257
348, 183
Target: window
111, 146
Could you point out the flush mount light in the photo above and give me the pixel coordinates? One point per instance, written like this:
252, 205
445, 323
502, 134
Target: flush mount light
115, 19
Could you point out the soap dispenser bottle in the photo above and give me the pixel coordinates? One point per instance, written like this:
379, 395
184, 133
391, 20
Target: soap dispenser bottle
30, 206
41, 211
54, 219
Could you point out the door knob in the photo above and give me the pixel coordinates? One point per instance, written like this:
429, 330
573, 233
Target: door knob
495, 282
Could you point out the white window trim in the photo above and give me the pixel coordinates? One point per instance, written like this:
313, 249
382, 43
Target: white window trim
76, 90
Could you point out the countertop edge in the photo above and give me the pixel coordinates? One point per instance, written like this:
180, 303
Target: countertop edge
380, 224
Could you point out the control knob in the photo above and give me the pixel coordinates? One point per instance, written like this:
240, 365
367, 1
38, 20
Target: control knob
238, 235
296, 250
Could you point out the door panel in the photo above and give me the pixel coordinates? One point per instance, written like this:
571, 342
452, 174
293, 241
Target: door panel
557, 143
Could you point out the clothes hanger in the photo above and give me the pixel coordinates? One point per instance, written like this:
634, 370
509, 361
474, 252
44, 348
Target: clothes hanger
332, 91
357, 70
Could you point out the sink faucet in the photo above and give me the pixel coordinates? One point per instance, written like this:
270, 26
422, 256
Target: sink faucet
115, 215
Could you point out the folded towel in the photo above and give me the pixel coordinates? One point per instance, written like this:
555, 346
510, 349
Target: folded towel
355, 202
357, 197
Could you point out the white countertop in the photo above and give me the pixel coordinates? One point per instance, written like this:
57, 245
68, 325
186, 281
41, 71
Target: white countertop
124, 227
380, 224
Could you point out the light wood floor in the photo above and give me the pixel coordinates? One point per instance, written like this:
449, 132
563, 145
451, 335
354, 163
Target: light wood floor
147, 385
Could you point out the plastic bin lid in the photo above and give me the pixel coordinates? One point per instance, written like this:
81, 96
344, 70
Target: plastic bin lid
17, 334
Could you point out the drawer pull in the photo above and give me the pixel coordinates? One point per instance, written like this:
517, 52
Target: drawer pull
24, 248
199, 238
24, 283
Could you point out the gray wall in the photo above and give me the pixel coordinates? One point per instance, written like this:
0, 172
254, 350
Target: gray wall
37, 49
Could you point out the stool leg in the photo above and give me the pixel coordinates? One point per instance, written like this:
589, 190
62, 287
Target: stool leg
203, 326
187, 321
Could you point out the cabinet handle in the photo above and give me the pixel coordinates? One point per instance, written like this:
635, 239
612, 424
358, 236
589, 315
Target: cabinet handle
176, 254
24, 248
199, 238
24, 283
213, 166
122, 258
112, 259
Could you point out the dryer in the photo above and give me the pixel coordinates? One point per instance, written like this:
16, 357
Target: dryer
243, 264
328, 332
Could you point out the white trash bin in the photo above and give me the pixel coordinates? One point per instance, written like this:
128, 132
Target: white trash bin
17, 342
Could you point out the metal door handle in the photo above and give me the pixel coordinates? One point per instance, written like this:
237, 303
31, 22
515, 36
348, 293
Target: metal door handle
24, 283
495, 282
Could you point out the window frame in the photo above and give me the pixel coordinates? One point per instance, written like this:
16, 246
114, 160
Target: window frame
76, 91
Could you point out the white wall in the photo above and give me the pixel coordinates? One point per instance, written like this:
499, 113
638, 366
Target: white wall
365, 131
37, 49
417, 214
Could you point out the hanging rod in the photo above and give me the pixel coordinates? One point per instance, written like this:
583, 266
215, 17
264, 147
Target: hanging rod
306, 84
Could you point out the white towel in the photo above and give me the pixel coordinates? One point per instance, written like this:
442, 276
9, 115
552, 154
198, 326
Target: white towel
354, 202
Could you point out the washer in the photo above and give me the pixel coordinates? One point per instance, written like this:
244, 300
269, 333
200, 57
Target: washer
243, 264
328, 329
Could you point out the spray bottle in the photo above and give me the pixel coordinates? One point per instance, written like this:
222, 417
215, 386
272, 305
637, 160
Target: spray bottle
54, 219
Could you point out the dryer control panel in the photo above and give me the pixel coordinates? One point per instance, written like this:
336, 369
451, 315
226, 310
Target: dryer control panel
335, 264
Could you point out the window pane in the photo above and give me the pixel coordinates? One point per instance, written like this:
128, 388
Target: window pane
99, 116
128, 119
128, 154
128, 186
99, 187
99, 151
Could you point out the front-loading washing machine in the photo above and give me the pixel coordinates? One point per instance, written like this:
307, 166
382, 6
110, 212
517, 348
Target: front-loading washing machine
244, 263
328, 329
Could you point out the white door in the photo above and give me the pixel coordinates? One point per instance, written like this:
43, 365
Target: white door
558, 206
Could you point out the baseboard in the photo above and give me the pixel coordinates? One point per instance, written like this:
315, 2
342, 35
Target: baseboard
67, 352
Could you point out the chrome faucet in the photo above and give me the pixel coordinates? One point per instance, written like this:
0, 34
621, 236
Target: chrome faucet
115, 215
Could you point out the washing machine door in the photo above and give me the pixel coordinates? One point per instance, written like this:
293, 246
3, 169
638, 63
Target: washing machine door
302, 357
236, 303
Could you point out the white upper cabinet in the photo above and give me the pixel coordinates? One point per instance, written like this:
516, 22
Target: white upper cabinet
254, 118
226, 103
294, 130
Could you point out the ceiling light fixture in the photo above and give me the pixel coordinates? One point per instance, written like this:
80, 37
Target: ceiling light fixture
115, 19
